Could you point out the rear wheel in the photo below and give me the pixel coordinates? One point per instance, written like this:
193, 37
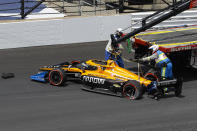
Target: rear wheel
132, 90
152, 75
57, 77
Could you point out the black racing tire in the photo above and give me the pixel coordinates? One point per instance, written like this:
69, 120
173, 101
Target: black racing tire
178, 87
57, 77
132, 90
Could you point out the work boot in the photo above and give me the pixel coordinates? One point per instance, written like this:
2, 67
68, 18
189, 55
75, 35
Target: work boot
153, 91
166, 91
153, 88
163, 78
157, 94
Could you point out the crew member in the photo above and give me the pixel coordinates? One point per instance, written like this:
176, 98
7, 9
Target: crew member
113, 51
161, 61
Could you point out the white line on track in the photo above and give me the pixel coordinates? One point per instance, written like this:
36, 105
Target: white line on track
20, 22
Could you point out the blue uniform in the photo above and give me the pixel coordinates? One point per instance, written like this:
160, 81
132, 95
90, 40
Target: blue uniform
118, 58
162, 62
109, 55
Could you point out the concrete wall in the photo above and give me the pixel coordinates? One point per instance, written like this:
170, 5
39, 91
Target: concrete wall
60, 31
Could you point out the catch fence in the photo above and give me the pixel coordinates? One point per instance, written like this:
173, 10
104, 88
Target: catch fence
20, 9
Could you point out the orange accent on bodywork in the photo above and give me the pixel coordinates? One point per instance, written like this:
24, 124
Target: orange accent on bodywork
110, 70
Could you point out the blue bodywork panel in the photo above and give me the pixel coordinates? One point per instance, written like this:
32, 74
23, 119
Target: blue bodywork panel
39, 77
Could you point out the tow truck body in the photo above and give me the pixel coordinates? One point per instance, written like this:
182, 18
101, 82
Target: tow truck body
180, 44
182, 52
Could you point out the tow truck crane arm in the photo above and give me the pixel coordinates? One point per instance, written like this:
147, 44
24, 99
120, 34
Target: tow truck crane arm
160, 16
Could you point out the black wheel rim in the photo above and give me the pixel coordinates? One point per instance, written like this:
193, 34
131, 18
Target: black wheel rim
55, 77
130, 92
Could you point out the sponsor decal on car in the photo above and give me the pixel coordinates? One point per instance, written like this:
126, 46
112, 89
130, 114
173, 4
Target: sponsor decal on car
93, 80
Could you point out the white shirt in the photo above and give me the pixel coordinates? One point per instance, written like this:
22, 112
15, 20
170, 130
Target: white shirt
109, 46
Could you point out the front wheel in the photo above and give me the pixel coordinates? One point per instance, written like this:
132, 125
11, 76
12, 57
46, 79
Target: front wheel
57, 77
132, 90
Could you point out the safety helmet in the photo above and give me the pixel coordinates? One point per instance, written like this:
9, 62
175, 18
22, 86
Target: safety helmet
154, 48
119, 31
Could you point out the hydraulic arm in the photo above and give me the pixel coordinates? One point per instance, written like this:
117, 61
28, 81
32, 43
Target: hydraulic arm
160, 16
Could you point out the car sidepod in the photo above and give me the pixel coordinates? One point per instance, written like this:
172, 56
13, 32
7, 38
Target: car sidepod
102, 85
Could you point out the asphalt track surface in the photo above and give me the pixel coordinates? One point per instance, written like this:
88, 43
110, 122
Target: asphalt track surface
26, 105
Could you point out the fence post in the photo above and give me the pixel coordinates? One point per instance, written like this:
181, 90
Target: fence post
22, 9
94, 4
80, 10
63, 6
121, 6
34, 7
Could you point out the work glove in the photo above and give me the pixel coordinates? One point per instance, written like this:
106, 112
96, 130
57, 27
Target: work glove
141, 60
134, 60
116, 53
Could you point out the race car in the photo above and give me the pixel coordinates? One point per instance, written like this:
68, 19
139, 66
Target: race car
97, 76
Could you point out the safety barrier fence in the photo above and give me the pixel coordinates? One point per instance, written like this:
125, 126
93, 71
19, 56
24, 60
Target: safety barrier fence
19, 9
8, 9
186, 18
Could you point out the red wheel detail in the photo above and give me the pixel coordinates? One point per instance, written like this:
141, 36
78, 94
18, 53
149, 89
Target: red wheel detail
61, 76
75, 62
151, 74
124, 93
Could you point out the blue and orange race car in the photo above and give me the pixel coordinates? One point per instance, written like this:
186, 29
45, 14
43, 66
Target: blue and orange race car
103, 77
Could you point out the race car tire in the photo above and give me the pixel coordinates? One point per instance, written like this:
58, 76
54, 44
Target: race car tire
152, 75
132, 90
178, 86
57, 77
